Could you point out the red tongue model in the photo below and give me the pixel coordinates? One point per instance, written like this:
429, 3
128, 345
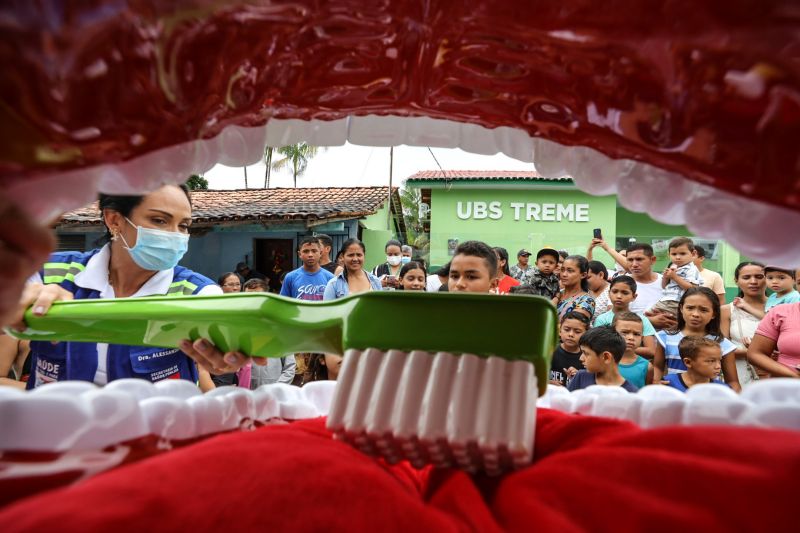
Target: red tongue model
708, 91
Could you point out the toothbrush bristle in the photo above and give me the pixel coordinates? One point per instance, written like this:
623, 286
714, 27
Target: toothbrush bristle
441, 409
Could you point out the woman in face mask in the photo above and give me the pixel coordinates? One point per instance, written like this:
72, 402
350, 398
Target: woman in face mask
389, 272
146, 238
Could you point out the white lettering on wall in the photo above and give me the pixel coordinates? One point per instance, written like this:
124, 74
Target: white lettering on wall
531, 211
464, 214
479, 210
565, 212
495, 211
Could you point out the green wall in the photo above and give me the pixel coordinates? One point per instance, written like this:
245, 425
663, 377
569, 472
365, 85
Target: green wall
374, 235
645, 229
500, 226
505, 226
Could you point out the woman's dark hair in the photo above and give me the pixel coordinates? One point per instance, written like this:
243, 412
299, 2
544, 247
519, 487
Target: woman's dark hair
596, 267
226, 275
627, 280
583, 267
739, 268
124, 205
563, 254
393, 242
316, 369
347, 244
503, 254
712, 328
412, 265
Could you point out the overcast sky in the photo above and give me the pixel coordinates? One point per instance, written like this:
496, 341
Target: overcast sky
353, 166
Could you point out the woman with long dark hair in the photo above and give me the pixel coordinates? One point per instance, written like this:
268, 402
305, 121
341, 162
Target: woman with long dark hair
739, 319
698, 316
353, 279
575, 294
504, 279
322, 367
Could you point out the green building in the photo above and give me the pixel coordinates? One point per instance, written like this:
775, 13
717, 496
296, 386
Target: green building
517, 210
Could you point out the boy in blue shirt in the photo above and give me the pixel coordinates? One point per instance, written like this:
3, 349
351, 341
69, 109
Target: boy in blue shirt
781, 282
635, 368
703, 360
601, 350
306, 283
309, 281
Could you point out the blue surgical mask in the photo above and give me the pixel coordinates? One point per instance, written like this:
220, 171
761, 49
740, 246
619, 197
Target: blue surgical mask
405, 260
156, 249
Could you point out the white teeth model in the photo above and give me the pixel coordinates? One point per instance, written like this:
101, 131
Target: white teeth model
177, 388
170, 419
440, 409
42, 422
65, 387
769, 403
666, 196
74, 426
116, 418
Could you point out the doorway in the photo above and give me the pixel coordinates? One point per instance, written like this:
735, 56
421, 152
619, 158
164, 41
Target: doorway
275, 258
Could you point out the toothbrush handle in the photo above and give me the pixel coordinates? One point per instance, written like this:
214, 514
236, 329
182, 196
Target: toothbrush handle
263, 325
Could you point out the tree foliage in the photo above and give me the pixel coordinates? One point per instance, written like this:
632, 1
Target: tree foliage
413, 212
197, 183
296, 158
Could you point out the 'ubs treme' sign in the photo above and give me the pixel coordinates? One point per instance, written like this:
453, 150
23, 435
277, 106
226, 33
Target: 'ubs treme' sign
524, 211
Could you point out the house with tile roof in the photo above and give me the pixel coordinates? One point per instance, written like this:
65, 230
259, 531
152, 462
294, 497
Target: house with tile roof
261, 227
522, 210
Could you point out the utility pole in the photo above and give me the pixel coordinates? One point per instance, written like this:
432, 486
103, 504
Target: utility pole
245, 177
389, 201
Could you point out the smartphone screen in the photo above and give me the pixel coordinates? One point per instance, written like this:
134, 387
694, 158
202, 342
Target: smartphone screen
598, 234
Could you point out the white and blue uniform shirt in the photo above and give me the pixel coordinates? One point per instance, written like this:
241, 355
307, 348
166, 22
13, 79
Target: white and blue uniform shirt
670, 344
85, 275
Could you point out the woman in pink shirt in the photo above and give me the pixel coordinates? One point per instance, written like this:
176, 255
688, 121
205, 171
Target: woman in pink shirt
779, 329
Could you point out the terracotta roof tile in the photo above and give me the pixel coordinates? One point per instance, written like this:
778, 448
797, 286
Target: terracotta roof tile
269, 204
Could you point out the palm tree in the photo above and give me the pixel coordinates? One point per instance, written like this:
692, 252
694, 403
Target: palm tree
268, 165
296, 155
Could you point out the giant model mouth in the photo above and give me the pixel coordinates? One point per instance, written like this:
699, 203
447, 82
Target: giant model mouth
690, 114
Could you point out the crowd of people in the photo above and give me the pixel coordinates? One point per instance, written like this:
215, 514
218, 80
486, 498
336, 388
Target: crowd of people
629, 326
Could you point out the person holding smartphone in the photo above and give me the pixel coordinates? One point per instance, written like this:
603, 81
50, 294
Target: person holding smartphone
389, 272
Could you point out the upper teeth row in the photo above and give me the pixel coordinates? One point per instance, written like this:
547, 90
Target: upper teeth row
666, 196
